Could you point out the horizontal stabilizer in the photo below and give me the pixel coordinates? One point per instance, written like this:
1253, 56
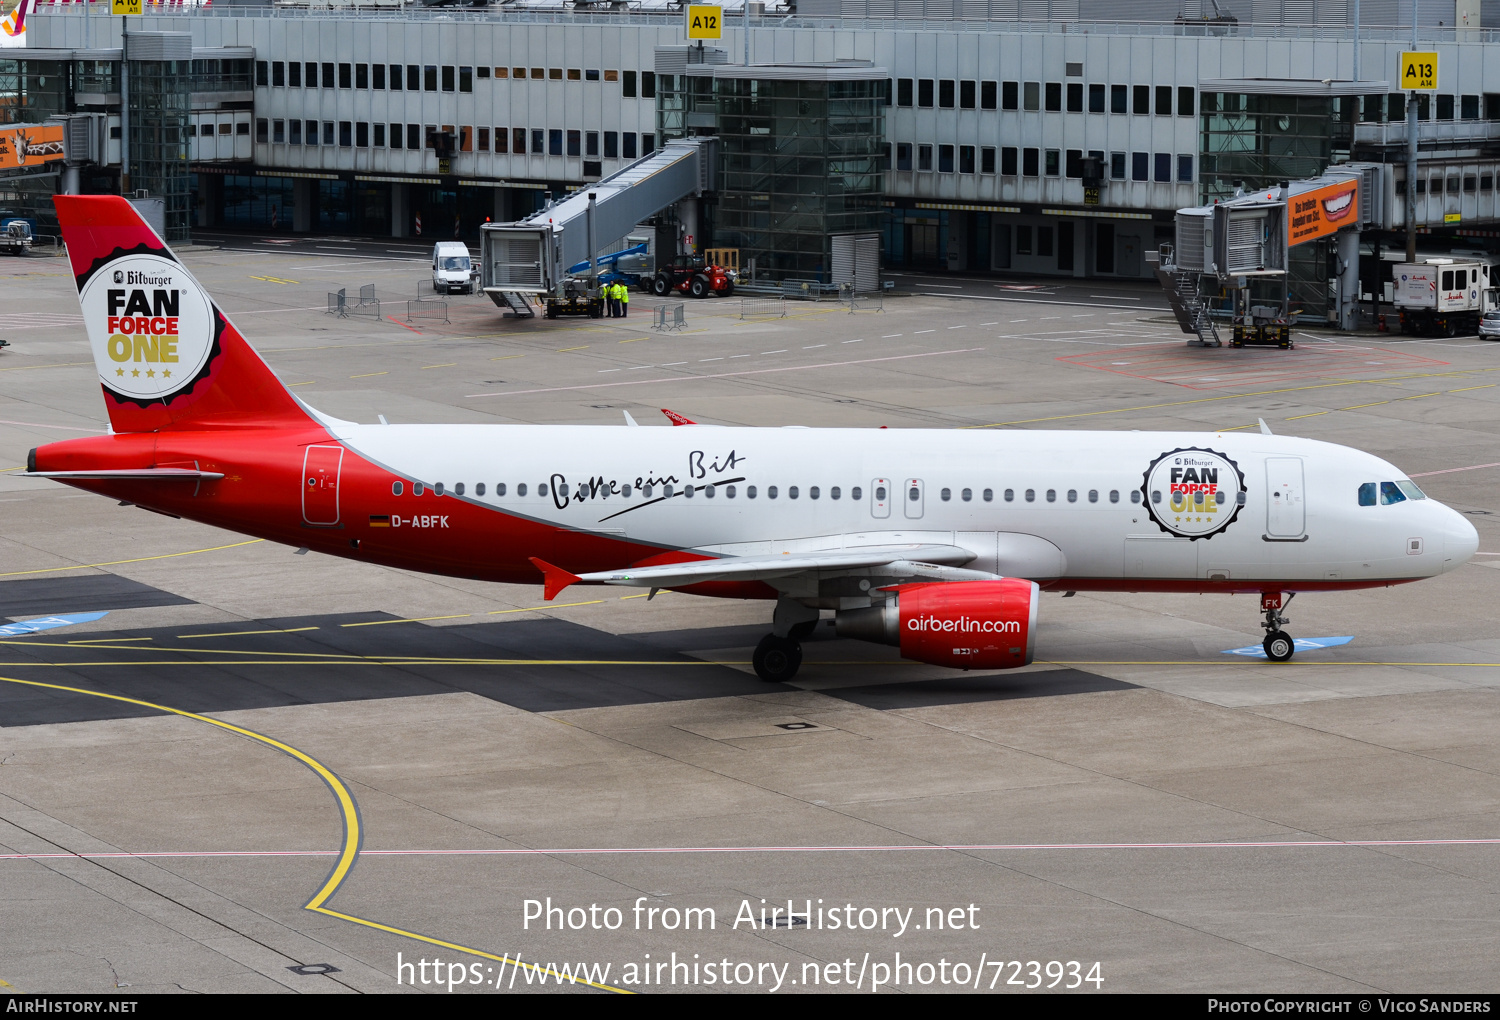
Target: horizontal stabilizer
132, 474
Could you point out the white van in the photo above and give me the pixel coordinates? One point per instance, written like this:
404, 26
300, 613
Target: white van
452, 268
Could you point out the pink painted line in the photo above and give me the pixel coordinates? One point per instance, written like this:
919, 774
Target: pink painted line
1449, 471
723, 375
915, 847
39, 425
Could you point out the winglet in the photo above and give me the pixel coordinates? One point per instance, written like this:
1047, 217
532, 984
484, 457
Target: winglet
555, 579
1265, 429
677, 419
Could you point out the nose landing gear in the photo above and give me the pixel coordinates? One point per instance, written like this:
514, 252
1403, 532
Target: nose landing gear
1278, 644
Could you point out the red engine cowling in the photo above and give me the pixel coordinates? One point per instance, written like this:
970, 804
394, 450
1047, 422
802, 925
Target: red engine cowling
964, 624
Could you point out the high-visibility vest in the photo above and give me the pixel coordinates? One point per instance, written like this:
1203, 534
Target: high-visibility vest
623, 293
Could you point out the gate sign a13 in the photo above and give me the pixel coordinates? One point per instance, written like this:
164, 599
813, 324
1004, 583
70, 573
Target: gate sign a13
1418, 71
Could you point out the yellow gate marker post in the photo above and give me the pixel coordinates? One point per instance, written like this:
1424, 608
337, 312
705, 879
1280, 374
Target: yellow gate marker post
705, 21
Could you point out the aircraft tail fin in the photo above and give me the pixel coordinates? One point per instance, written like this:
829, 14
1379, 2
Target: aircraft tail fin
167, 357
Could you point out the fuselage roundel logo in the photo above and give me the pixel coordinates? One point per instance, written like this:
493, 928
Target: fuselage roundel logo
150, 327
1193, 493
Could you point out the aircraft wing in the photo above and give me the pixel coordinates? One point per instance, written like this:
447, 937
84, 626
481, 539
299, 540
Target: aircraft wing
920, 558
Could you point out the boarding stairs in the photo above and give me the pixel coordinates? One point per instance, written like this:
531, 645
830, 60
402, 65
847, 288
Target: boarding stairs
1184, 294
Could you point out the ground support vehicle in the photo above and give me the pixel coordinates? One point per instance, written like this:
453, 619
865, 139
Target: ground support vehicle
693, 275
1445, 296
16, 239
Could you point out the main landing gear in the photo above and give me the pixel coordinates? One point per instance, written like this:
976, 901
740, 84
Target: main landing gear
779, 654
1278, 644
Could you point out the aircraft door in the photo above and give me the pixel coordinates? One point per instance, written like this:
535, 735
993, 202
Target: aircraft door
320, 484
1286, 514
880, 498
912, 497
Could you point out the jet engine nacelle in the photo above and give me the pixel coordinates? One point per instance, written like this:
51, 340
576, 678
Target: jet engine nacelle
965, 624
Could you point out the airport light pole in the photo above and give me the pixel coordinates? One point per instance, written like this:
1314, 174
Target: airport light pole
1411, 155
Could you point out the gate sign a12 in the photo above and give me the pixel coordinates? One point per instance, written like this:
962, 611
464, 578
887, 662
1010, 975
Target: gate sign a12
705, 21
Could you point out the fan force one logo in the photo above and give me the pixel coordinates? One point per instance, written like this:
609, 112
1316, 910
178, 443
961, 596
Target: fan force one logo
1193, 493
150, 327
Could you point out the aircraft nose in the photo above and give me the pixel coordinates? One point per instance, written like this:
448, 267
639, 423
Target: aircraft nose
1460, 539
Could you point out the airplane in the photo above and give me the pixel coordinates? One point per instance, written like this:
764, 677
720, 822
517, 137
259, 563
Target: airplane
936, 541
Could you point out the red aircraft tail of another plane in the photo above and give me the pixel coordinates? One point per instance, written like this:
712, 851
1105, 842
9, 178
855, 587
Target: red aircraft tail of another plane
168, 358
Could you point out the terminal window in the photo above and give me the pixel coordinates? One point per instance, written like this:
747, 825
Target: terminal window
1054, 97
346, 76
945, 159
502, 139
518, 141
1008, 161
903, 91
555, 73
430, 78
1185, 102
903, 155
966, 95
555, 142
648, 142
945, 93
575, 74
362, 135
924, 92
294, 74
1118, 99
1073, 163
1164, 167
538, 141
627, 85
1075, 97
328, 132
1096, 99
262, 73
575, 143
1164, 100
611, 75
395, 70
1140, 99
278, 73
262, 129
379, 139
1023, 239
1010, 92
346, 133
482, 72
611, 145
396, 131
312, 75
465, 139
591, 144
989, 95
1185, 168
294, 133
361, 76
413, 136
1444, 107
1031, 95
482, 142
987, 159
1054, 162
502, 72
413, 77
924, 157
278, 131
1117, 166
627, 145
648, 84
1031, 162
377, 76
465, 79
312, 132
1470, 108
966, 159
328, 81
448, 78
1140, 165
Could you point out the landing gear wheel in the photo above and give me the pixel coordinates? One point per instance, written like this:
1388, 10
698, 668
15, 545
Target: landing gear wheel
699, 288
1279, 646
659, 286
777, 659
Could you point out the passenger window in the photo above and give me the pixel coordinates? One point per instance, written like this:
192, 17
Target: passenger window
562, 490
1114, 495
770, 492
1093, 495
458, 490
945, 495
666, 491
437, 488
479, 489
879, 493
541, 490
625, 490
728, 491
966, 495
1030, 495
416, 488
687, 492
1135, 495
1072, 495
989, 495
499, 488
648, 491
521, 489
1052, 496
833, 493
812, 493
791, 492
1010, 495
1391, 493
396, 488
749, 492
708, 491
1156, 495
1367, 494
856, 493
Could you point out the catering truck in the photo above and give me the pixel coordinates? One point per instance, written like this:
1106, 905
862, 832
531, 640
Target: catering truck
1445, 296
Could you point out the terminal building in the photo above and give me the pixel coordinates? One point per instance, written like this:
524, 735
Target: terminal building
1039, 137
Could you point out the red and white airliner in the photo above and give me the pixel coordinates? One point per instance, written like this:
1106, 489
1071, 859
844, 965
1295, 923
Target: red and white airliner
936, 541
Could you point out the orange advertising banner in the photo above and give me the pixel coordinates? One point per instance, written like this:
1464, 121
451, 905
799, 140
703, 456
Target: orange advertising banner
1315, 214
29, 145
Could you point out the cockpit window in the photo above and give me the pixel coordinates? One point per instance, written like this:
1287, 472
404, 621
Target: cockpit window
1409, 487
1367, 494
1391, 493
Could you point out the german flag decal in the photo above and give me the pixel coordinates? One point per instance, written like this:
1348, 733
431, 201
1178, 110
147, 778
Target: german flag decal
380, 520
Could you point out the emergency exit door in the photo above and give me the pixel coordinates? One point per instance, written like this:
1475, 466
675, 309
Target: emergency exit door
880, 497
1286, 514
320, 484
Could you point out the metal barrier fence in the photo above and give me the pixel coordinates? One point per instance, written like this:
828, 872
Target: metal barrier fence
369, 304
338, 304
427, 309
862, 302
670, 316
752, 308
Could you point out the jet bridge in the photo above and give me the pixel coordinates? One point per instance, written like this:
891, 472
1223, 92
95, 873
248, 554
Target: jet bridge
533, 256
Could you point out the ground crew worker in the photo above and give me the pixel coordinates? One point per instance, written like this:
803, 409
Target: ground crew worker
624, 300
609, 300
